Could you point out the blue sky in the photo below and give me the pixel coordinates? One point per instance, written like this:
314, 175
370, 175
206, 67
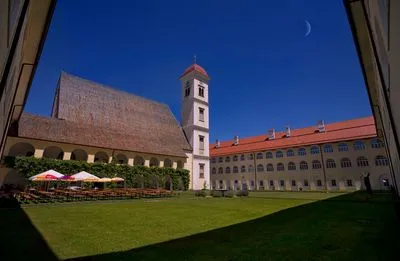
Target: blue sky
264, 72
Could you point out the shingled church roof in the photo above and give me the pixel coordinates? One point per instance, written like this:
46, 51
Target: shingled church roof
91, 114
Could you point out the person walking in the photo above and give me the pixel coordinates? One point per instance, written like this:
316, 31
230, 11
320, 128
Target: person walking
367, 184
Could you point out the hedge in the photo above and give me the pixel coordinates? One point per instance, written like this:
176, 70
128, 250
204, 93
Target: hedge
135, 176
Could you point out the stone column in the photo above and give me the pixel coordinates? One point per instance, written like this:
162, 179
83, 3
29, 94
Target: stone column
147, 162
90, 158
174, 165
131, 161
38, 153
161, 165
67, 155
110, 159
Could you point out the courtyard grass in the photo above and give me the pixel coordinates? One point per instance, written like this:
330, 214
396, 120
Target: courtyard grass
263, 226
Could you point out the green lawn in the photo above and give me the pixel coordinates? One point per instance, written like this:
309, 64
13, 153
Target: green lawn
264, 226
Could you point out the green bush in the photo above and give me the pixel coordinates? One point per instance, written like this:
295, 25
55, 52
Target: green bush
229, 194
200, 193
242, 193
216, 193
135, 176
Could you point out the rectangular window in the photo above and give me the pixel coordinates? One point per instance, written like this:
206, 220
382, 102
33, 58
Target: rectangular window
306, 183
282, 183
201, 114
271, 182
187, 89
293, 183
201, 172
261, 183
201, 144
319, 183
201, 91
349, 183
333, 182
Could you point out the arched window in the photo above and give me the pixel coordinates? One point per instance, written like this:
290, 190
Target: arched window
138, 161
328, 148
260, 168
251, 168
179, 165
269, 155
243, 169
235, 169
291, 166
154, 162
279, 154
220, 159
270, 167
290, 153
121, 159
359, 145
213, 160
381, 161
167, 163
213, 171
227, 159
362, 161
314, 150
280, 167
227, 170
22, 149
302, 152
79, 154
345, 163
260, 155
250, 156
53, 152
220, 170
242, 157
303, 165
235, 158
377, 143
316, 164
343, 147
330, 164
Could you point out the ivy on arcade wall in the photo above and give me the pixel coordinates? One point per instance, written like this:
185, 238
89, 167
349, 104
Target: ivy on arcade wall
135, 176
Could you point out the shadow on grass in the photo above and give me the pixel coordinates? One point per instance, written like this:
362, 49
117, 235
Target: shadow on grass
348, 227
19, 239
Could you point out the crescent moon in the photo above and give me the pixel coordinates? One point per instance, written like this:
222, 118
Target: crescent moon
308, 25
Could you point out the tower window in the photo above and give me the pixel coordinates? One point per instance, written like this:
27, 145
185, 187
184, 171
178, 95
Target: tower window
201, 91
187, 89
201, 144
201, 172
201, 114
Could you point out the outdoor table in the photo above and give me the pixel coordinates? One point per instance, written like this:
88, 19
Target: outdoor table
223, 191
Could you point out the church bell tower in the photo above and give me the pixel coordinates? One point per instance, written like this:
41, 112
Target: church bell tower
195, 122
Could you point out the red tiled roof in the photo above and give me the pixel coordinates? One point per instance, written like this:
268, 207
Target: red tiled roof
194, 67
340, 131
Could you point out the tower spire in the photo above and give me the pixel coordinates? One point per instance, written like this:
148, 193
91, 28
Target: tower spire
194, 59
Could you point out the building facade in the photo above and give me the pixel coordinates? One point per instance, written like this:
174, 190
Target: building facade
23, 30
376, 33
328, 157
95, 123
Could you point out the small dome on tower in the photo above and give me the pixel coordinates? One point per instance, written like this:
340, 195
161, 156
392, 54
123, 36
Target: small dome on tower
195, 67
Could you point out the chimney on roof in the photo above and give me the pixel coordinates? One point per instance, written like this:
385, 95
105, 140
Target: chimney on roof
287, 131
217, 143
271, 134
236, 140
321, 126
